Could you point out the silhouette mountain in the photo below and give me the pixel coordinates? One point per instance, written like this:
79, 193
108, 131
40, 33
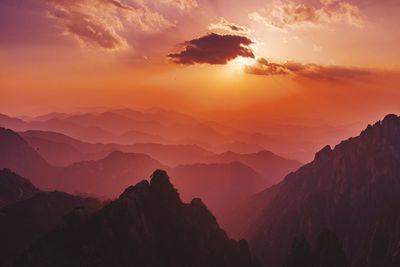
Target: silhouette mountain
271, 166
238, 147
14, 188
353, 190
30, 214
327, 252
18, 156
105, 177
146, 226
62, 150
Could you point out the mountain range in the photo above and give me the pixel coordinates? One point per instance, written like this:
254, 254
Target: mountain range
148, 225
108, 171
126, 126
353, 190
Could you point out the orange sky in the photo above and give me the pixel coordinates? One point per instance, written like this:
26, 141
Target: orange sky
343, 57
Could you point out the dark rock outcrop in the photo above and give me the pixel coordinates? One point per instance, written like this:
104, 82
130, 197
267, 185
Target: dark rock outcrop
327, 252
146, 226
24, 221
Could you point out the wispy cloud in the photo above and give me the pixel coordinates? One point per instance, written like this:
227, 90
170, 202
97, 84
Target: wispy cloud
288, 14
181, 4
312, 71
224, 26
100, 23
213, 48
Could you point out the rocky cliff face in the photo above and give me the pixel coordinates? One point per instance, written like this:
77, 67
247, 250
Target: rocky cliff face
353, 190
147, 225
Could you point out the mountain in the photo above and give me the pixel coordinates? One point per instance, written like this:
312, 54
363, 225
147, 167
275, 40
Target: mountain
327, 252
110, 174
55, 153
147, 225
173, 155
49, 144
271, 166
353, 190
61, 150
24, 221
18, 156
88, 133
133, 136
14, 188
105, 177
238, 147
221, 185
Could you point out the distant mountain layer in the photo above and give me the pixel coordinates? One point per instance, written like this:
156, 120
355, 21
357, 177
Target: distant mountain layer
269, 165
147, 225
353, 190
223, 181
127, 126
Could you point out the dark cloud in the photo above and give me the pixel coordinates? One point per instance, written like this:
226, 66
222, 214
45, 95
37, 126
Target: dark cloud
213, 49
312, 71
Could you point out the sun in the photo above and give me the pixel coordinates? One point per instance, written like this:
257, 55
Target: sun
240, 62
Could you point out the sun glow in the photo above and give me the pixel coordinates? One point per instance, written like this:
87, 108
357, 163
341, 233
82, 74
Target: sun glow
240, 62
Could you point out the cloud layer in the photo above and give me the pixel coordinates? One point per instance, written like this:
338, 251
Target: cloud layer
182, 4
312, 71
213, 49
288, 14
99, 23
224, 26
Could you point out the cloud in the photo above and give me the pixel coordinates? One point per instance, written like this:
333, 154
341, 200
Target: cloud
288, 14
182, 4
99, 23
213, 49
312, 71
225, 26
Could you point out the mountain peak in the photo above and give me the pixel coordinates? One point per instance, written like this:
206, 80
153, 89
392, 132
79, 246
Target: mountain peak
160, 177
391, 117
140, 189
147, 226
323, 153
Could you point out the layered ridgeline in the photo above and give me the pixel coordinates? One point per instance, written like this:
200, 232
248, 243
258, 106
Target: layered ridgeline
147, 225
222, 185
353, 190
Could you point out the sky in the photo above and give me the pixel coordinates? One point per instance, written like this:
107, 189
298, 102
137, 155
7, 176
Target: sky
334, 61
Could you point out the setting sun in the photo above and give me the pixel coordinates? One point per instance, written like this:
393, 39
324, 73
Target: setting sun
240, 63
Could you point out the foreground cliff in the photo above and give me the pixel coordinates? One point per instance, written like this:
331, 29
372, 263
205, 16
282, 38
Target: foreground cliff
353, 190
147, 225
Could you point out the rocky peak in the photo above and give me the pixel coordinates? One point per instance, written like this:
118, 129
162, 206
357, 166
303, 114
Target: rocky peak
323, 153
140, 189
385, 131
147, 226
